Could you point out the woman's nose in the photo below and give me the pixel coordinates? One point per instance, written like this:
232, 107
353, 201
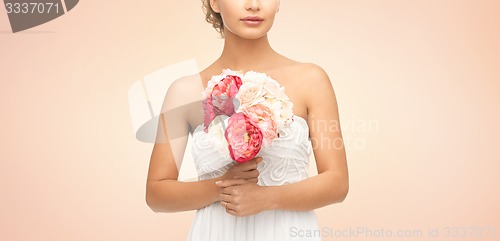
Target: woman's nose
253, 5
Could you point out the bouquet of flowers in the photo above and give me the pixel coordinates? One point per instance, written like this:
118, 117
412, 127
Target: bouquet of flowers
244, 112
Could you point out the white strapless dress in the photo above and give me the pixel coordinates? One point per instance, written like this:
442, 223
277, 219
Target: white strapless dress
285, 161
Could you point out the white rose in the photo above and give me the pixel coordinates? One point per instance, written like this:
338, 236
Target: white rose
249, 94
272, 89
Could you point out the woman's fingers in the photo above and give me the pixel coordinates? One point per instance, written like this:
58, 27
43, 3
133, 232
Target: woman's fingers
246, 171
225, 197
252, 174
248, 175
230, 182
252, 164
254, 180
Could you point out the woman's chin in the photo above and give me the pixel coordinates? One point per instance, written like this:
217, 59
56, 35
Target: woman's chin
251, 35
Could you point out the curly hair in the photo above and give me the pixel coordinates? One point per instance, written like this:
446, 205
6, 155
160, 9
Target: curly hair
213, 17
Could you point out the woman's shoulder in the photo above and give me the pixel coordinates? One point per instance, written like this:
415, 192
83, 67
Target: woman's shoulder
185, 89
307, 69
186, 80
300, 72
311, 75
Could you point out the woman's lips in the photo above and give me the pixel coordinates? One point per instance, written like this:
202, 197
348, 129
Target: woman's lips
252, 20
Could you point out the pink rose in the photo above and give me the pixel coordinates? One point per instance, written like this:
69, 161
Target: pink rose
244, 137
264, 117
220, 99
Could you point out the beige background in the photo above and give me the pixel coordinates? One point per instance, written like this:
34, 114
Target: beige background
423, 73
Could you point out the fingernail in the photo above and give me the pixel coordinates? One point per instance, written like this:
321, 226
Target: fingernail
218, 182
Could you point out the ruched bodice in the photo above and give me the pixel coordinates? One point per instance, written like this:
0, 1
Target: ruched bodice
285, 161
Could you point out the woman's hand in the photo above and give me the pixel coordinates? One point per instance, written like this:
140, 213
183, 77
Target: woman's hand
246, 171
243, 198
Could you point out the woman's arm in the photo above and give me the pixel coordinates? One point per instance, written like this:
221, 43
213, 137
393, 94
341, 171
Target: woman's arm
175, 196
331, 185
164, 193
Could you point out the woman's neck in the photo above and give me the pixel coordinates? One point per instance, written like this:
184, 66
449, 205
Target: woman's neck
246, 54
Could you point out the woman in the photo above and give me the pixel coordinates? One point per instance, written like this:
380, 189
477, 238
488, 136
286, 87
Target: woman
269, 197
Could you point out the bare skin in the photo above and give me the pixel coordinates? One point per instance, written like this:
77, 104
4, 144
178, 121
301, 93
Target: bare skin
312, 94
